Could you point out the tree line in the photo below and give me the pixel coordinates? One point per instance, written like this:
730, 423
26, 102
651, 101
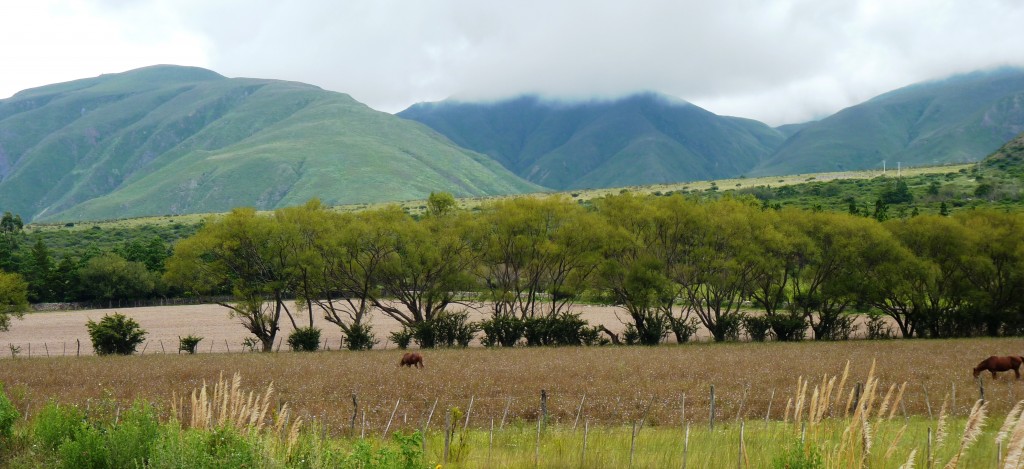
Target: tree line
672, 264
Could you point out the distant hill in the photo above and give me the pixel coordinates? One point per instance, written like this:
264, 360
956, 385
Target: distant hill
172, 140
959, 119
1008, 160
642, 139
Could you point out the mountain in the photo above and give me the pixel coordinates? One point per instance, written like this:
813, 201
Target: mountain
1008, 160
171, 140
641, 139
959, 119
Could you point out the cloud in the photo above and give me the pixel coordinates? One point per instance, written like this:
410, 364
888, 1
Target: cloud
779, 61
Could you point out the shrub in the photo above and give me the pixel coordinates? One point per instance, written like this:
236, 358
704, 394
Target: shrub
878, 327
502, 330
683, 329
446, 329
8, 415
402, 338
188, 344
789, 327
834, 326
55, 424
360, 337
759, 328
116, 334
304, 339
799, 456
562, 329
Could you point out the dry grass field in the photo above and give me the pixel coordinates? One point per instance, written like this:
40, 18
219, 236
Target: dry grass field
620, 383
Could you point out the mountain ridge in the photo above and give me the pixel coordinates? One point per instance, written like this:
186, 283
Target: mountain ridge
169, 139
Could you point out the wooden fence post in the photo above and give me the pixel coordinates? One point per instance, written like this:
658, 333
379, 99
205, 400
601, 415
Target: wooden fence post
355, 412
543, 407
712, 413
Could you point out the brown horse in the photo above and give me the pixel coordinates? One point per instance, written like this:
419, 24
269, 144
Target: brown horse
411, 359
994, 364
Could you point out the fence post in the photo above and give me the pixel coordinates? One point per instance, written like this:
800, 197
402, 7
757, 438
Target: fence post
632, 444
388, 426
543, 407
447, 434
579, 410
927, 401
426, 425
355, 412
586, 431
79, 349
505, 414
712, 413
469, 410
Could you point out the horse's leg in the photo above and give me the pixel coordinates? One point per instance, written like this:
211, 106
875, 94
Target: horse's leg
993, 374
1016, 371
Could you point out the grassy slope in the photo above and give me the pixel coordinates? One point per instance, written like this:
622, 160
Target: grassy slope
641, 139
954, 120
179, 140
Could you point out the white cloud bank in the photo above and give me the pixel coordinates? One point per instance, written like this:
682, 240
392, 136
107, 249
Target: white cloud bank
778, 61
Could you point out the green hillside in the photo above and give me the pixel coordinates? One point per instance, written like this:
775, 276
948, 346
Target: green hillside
172, 140
960, 119
642, 139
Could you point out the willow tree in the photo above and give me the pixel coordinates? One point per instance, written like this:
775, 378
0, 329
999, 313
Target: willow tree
250, 256
342, 262
924, 286
13, 298
997, 270
640, 252
827, 272
538, 254
430, 263
720, 259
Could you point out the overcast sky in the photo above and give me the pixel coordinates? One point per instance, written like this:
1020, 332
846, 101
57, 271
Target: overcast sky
775, 61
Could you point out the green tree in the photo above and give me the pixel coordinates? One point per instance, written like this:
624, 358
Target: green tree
440, 204
538, 254
39, 273
996, 269
432, 262
640, 251
10, 235
925, 288
13, 298
720, 260
115, 334
110, 277
247, 254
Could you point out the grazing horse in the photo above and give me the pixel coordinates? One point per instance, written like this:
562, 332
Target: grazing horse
412, 359
994, 364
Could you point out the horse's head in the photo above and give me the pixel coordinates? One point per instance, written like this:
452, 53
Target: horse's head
977, 370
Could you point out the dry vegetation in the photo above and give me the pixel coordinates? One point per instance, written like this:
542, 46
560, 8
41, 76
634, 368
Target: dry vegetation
619, 383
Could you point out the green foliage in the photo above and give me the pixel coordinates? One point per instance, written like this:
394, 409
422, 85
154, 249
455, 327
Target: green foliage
799, 456
8, 415
402, 338
188, 344
54, 424
447, 329
502, 331
304, 339
115, 334
408, 455
759, 328
440, 204
109, 276
361, 337
682, 328
221, 448
13, 298
560, 330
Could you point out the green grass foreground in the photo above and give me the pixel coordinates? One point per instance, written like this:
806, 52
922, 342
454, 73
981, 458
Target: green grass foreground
104, 436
